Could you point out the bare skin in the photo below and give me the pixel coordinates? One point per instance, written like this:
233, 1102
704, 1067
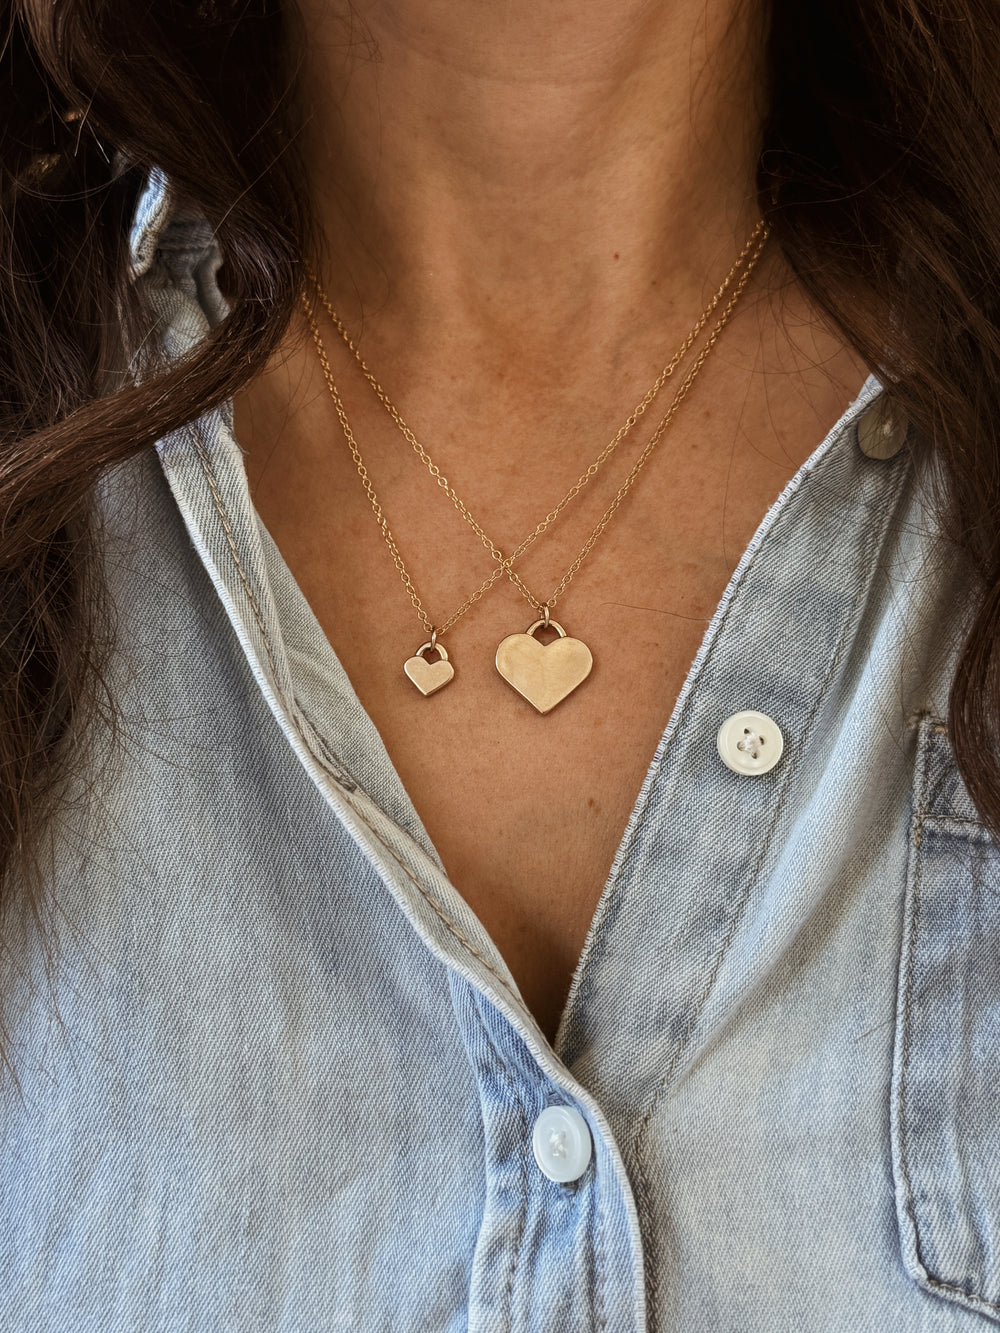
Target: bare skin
533, 204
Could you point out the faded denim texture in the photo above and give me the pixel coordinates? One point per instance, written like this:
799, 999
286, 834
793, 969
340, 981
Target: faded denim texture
281, 1079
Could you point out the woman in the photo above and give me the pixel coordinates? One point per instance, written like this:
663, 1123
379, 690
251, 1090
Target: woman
498, 833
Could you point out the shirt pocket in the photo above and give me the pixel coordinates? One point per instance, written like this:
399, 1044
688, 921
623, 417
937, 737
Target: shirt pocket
946, 1073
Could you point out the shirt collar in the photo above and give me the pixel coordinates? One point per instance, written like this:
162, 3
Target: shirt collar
152, 213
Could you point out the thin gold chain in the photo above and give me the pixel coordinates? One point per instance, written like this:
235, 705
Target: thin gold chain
668, 417
594, 467
750, 254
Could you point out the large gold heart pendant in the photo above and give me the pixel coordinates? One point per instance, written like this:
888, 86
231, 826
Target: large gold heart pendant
429, 677
544, 673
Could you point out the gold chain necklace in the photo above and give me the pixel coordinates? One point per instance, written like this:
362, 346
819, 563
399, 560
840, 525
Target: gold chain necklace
504, 564
544, 674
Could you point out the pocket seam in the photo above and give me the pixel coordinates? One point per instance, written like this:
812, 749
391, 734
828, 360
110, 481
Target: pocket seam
912, 1257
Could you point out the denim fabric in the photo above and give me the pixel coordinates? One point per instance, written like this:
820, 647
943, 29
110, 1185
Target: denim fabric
278, 1077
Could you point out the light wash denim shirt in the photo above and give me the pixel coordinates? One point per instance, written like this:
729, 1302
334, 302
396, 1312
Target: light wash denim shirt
277, 1076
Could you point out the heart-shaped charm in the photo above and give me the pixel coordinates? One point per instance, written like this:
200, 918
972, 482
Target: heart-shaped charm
544, 673
429, 677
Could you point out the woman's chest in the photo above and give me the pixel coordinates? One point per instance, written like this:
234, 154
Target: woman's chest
526, 809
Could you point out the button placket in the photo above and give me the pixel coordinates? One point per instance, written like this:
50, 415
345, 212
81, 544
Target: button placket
543, 1258
818, 548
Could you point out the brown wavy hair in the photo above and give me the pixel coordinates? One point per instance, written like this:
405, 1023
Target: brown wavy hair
879, 175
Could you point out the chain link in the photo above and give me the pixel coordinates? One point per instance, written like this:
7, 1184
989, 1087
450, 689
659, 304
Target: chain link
749, 256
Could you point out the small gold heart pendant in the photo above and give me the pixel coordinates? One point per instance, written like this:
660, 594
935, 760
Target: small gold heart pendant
429, 677
544, 673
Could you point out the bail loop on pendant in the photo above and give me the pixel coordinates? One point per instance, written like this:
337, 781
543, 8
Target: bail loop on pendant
545, 623
545, 616
432, 646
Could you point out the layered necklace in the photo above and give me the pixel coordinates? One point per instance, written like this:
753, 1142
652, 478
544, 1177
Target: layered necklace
544, 673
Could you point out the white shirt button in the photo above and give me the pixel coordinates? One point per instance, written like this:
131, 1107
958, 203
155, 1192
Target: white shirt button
750, 742
881, 429
561, 1143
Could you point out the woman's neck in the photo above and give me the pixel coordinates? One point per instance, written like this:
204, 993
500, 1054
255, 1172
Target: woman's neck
550, 171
